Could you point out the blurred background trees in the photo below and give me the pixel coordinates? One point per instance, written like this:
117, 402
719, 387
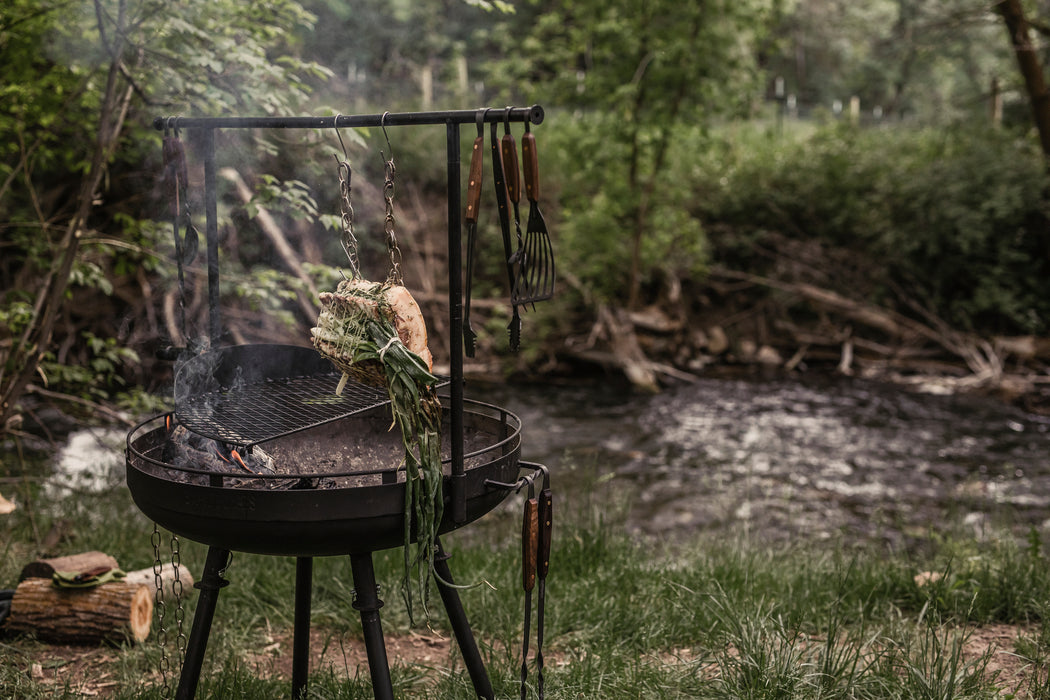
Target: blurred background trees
884, 150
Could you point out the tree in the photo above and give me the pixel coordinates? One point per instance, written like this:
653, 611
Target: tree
83, 79
1017, 26
925, 60
637, 71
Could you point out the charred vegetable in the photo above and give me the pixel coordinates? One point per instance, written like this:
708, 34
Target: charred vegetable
375, 333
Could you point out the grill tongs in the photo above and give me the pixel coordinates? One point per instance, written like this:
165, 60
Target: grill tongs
503, 206
536, 528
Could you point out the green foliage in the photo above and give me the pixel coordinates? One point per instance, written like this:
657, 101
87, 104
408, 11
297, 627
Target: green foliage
930, 61
292, 197
78, 77
596, 204
953, 219
96, 376
638, 72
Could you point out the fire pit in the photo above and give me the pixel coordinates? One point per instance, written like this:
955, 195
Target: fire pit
336, 487
270, 450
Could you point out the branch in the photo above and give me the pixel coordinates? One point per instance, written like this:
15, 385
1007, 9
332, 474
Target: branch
58, 396
113, 111
277, 237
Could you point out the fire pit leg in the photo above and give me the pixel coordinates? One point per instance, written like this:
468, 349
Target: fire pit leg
367, 601
210, 584
457, 617
304, 571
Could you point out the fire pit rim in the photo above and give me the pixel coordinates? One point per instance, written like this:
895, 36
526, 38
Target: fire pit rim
508, 419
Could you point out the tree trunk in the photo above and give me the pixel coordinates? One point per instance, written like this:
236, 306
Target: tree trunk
1031, 69
29, 350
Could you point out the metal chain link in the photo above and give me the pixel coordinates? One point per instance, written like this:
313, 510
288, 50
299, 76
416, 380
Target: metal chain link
347, 220
160, 605
388, 227
162, 634
389, 171
176, 590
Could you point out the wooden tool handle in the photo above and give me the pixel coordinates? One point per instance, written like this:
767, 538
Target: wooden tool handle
510, 167
546, 503
530, 163
477, 162
530, 525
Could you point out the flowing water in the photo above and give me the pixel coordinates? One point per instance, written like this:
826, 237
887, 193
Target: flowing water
786, 458
768, 460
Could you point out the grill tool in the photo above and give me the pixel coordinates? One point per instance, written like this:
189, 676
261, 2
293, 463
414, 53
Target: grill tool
504, 219
518, 259
545, 504
477, 161
529, 545
536, 276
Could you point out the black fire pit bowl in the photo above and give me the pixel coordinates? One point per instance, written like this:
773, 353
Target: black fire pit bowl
337, 488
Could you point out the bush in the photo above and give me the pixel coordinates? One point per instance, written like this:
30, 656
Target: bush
586, 187
954, 219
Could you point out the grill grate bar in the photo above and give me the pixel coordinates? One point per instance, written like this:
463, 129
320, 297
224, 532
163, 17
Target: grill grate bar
272, 408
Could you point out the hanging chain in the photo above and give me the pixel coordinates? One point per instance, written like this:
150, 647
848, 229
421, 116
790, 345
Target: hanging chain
160, 605
388, 226
347, 221
164, 664
176, 590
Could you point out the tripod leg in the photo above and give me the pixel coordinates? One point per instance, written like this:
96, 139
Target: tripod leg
210, 584
304, 570
461, 627
367, 601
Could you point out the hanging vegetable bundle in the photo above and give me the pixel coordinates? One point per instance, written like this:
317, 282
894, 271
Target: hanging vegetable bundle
374, 332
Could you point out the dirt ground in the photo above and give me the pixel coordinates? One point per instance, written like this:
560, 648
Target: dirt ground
90, 670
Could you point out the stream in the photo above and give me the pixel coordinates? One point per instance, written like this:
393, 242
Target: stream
813, 458
770, 460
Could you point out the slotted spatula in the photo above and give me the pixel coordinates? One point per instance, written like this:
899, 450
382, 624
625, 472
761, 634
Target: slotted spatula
536, 277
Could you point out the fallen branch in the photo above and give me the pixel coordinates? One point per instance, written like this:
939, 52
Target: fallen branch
280, 242
979, 355
57, 396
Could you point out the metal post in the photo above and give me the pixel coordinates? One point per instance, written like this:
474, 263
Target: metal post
455, 309
468, 646
210, 584
212, 236
366, 600
304, 571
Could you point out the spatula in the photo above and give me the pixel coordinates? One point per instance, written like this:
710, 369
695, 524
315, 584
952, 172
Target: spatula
536, 276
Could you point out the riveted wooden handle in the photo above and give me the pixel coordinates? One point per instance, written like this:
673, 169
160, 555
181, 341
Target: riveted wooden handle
530, 163
477, 162
546, 503
510, 167
530, 524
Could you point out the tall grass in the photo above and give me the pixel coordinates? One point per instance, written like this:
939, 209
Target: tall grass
708, 617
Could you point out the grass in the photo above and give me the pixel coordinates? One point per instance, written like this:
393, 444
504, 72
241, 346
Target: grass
710, 617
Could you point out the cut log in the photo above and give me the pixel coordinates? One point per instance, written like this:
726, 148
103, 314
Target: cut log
85, 561
147, 577
113, 612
